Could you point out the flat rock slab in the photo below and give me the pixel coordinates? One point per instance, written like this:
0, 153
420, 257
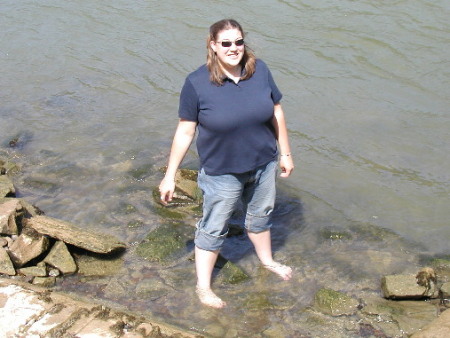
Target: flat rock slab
74, 235
404, 287
31, 311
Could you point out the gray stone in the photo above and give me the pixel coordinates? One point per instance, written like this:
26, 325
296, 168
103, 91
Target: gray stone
405, 287
6, 266
8, 210
29, 245
60, 258
440, 327
72, 234
335, 303
3, 242
35, 271
6, 186
44, 281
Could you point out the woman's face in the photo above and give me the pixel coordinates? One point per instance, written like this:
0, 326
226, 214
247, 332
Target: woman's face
229, 57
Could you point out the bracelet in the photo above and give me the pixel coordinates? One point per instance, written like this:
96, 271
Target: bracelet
288, 154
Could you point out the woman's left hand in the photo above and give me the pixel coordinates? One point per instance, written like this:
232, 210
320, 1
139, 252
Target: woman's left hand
286, 165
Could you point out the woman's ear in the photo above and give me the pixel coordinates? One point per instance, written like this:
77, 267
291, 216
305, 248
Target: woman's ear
213, 46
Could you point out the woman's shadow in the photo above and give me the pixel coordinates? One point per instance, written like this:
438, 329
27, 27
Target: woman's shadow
287, 217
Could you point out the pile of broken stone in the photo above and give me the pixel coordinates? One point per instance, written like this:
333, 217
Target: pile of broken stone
39, 247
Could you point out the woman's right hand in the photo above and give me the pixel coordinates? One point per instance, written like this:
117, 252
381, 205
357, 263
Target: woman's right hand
166, 190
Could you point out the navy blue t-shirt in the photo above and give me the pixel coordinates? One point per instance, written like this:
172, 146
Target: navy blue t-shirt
235, 130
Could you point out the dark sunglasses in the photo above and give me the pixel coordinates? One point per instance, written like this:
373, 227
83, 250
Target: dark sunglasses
226, 44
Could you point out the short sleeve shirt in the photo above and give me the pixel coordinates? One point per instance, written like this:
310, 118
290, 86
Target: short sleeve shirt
235, 129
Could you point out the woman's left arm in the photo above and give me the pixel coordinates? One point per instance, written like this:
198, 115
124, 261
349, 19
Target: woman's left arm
279, 122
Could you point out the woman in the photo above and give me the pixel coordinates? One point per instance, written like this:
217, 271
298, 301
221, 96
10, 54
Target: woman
235, 104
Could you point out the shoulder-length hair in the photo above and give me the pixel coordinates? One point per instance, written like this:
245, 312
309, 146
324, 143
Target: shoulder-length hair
248, 61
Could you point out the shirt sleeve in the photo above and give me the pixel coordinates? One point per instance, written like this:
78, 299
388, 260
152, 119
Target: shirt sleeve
188, 107
276, 94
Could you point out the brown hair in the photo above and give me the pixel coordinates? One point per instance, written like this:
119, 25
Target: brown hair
248, 61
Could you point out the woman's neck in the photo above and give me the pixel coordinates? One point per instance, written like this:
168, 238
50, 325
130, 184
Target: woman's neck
234, 73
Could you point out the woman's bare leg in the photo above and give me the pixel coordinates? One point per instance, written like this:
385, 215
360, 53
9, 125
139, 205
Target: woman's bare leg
204, 265
263, 246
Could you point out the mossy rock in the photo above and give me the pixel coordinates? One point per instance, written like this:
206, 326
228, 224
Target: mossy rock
230, 273
334, 303
166, 243
91, 264
258, 301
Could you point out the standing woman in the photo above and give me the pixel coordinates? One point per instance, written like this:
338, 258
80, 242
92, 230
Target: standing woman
235, 104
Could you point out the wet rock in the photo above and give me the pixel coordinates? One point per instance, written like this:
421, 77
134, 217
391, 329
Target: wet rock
166, 243
60, 258
405, 287
440, 327
187, 197
397, 318
6, 187
98, 265
152, 289
8, 210
186, 183
29, 245
335, 303
230, 273
6, 265
44, 281
72, 234
35, 271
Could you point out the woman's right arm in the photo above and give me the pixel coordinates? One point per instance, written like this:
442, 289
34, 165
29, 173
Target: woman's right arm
181, 142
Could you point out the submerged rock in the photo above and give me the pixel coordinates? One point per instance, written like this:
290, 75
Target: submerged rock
90, 264
440, 327
72, 234
335, 303
166, 243
230, 273
398, 316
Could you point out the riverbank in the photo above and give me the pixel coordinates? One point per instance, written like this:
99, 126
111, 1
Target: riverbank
27, 310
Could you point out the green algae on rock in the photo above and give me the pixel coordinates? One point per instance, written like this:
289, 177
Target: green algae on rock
166, 243
335, 303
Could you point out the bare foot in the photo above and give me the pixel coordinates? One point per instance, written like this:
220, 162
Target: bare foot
284, 271
209, 298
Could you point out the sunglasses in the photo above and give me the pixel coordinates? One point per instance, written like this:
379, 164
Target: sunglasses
226, 44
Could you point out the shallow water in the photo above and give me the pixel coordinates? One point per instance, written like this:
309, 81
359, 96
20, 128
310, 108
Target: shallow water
91, 92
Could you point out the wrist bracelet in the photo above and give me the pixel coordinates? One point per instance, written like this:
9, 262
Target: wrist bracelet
288, 154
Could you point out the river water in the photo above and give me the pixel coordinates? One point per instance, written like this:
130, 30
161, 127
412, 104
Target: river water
90, 90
